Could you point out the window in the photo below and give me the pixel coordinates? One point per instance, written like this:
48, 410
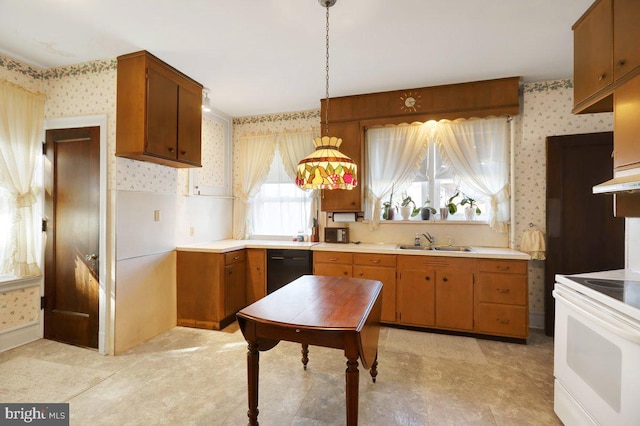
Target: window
437, 182
444, 162
280, 208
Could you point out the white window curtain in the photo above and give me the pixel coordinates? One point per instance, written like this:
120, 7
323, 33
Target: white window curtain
478, 151
394, 155
294, 146
255, 154
21, 124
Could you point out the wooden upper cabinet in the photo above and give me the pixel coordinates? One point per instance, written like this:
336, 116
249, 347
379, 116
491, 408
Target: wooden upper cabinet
626, 37
626, 125
159, 115
592, 60
352, 145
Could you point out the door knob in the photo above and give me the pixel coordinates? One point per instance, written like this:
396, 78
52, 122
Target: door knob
91, 256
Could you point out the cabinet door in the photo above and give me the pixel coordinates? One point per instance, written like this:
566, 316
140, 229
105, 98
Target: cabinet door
454, 299
256, 274
416, 297
626, 125
342, 200
162, 110
593, 49
189, 125
626, 53
235, 295
387, 276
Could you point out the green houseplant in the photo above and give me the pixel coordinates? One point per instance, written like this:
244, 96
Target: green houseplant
389, 207
405, 207
471, 207
425, 211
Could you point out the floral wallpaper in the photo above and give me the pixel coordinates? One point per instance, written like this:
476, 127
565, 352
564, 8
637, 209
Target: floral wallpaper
213, 153
546, 111
19, 307
24, 75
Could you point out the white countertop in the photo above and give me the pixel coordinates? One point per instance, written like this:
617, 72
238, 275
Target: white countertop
230, 245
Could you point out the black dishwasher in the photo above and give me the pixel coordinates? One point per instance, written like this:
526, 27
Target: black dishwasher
284, 266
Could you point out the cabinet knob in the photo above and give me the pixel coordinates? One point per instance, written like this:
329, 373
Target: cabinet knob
346, 273
621, 62
445, 279
236, 257
361, 273
428, 278
183, 152
602, 76
171, 150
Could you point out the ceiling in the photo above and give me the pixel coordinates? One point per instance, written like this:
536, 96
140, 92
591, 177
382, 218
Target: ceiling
268, 56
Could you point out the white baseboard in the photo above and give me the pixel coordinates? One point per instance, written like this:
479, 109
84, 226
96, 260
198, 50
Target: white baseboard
536, 320
18, 336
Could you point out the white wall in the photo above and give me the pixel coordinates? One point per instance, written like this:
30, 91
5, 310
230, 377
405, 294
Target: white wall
633, 243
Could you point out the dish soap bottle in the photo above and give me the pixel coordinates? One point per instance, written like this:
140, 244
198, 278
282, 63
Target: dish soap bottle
416, 241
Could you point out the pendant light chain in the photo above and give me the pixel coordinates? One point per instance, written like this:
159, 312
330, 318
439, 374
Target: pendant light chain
326, 119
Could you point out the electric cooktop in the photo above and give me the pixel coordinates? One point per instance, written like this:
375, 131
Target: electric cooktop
626, 291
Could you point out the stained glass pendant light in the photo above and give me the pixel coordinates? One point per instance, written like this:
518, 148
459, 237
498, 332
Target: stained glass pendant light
327, 167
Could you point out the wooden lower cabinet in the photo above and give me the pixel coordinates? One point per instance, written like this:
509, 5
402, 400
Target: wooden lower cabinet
454, 299
501, 298
211, 288
379, 267
256, 274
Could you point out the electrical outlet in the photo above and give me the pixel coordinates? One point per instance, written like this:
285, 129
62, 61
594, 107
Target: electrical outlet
156, 215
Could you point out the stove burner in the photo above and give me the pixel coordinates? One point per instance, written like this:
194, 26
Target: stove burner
626, 291
613, 285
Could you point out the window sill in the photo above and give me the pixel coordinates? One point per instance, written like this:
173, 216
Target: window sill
434, 222
8, 283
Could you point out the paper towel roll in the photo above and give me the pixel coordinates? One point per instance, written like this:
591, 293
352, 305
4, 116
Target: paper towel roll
344, 217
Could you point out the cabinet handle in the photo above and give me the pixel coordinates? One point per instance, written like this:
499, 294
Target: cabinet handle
503, 290
428, 278
171, 149
374, 260
236, 257
504, 268
501, 321
333, 259
621, 62
602, 76
445, 279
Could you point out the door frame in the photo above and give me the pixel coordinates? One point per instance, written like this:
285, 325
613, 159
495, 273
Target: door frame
105, 310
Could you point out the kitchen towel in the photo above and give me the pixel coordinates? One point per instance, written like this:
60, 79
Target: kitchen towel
533, 244
344, 217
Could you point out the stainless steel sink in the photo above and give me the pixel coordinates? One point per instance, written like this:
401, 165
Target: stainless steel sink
453, 248
415, 248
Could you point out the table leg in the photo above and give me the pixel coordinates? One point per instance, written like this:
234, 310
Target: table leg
374, 369
253, 361
305, 355
352, 378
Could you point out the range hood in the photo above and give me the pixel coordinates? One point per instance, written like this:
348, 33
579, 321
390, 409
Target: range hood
629, 182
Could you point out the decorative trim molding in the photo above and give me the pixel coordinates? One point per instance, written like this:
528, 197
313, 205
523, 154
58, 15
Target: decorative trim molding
545, 86
271, 118
20, 68
93, 67
20, 335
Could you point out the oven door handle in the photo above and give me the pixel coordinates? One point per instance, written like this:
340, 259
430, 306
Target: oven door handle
625, 331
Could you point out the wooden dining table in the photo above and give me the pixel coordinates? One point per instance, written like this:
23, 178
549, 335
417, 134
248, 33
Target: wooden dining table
333, 312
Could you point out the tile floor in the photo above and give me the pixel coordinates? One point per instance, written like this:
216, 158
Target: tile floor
198, 377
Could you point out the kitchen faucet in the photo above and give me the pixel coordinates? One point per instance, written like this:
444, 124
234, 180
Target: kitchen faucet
429, 238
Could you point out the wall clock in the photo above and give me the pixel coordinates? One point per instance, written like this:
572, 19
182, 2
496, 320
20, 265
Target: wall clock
410, 101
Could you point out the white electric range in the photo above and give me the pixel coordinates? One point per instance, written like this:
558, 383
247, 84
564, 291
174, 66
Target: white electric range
597, 348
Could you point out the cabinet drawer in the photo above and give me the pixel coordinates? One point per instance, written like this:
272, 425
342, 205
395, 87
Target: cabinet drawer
333, 257
234, 257
503, 288
503, 266
430, 262
366, 259
332, 270
502, 320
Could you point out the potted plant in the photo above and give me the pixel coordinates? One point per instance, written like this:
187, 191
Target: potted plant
405, 207
425, 211
471, 207
450, 207
389, 207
